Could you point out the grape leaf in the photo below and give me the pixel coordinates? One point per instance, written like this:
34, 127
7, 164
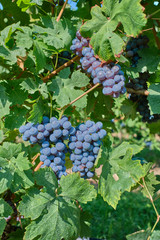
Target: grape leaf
77, 188
150, 180
150, 60
154, 97
24, 38
37, 111
2, 225
155, 235
105, 20
5, 208
119, 175
40, 56
6, 178
64, 88
57, 205
4, 102
16, 118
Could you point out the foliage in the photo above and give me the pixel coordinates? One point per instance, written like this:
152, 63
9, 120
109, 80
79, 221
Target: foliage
32, 41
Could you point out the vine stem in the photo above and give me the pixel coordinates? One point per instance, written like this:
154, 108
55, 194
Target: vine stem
138, 92
35, 157
156, 38
155, 209
67, 64
149, 16
62, 10
75, 100
38, 166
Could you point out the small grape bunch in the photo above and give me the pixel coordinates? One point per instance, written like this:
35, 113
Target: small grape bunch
133, 45
109, 75
84, 146
50, 134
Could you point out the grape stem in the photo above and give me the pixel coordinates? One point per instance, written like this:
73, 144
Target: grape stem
35, 157
38, 166
61, 12
75, 100
155, 209
149, 16
155, 36
67, 64
138, 92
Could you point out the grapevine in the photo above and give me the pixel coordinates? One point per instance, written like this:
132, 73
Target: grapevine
79, 119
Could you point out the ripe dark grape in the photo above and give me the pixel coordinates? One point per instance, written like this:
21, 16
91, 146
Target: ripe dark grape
107, 74
86, 141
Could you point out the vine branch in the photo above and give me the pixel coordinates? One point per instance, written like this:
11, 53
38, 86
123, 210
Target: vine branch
38, 166
62, 10
138, 92
75, 100
67, 64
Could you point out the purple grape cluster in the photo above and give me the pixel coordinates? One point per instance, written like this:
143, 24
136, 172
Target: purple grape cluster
50, 134
84, 146
109, 75
133, 45
78, 43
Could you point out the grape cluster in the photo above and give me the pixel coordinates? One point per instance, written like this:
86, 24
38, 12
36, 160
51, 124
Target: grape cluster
84, 146
50, 134
142, 101
109, 75
133, 45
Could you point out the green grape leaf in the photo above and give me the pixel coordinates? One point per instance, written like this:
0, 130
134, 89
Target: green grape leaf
64, 90
85, 224
24, 39
6, 178
105, 20
150, 181
9, 150
64, 217
155, 235
33, 203
129, 109
150, 60
119, 175
2, 225
16, 172
5, 208
16, 118
37, 111
40, 56
47, 178
4, 102
77, 188
154, 98
139, 235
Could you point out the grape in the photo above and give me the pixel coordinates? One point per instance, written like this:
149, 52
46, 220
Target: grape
72, 145
77, 151
110, 74
57, 133
67, 125
47, 162
72, 139
77, 163
80, 138
47, 151
74, 169
45, 144
88, 138
82, 127
80, 168
95, 137
89, 123
89, 165
40, 136
45, 120
33, 139
22, 129
108, 83
86, 145
65, 133
79, 144
72, 131
96, 64
84, 160
60, 146
57, 160
101, 75
33, 131
27, 134
43, 158
53, 119
85, 50
96, 80
28, 126
117, 78
99, 125
90, 174
116, 88
53, 138
46, 133
90, 158
107, 91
